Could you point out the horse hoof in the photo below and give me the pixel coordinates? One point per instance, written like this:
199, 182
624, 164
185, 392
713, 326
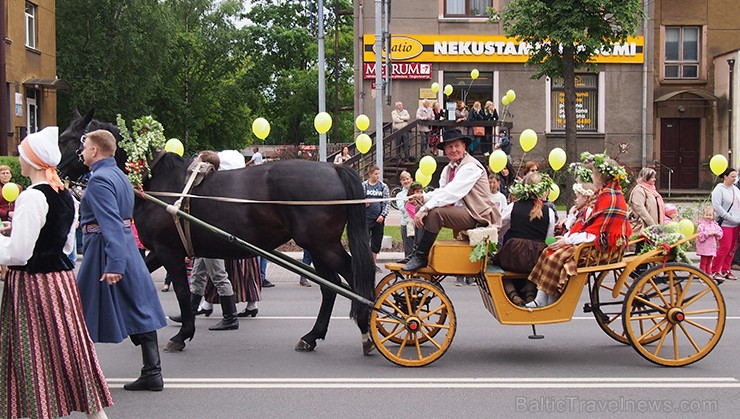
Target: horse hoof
174, 347
303, 346
367, 347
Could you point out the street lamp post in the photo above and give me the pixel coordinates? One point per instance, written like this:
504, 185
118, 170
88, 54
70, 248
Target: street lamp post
731, 63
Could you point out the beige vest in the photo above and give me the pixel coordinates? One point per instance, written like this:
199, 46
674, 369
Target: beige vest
478, 200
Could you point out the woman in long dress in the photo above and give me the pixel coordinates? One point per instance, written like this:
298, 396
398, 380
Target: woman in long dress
48, 364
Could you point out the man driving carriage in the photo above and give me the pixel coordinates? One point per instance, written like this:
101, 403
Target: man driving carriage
461, 202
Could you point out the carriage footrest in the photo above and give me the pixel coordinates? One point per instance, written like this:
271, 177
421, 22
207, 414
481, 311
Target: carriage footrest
587, 308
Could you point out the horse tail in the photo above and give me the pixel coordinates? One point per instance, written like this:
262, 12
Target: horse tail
363, 270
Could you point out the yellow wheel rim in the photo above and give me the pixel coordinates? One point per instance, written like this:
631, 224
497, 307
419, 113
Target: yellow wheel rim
428, 325
687, 315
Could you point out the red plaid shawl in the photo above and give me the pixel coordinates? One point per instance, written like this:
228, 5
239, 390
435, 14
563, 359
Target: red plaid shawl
609, 222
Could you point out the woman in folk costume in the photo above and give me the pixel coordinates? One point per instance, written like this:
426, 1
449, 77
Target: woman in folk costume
608, 227
48, 364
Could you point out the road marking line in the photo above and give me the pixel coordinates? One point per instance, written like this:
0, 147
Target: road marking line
449, 380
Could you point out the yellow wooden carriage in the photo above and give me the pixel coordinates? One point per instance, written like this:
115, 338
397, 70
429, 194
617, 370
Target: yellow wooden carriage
671, 313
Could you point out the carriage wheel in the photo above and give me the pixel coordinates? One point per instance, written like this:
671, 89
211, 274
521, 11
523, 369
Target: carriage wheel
428, 328
688, 314
608, 311
394, 277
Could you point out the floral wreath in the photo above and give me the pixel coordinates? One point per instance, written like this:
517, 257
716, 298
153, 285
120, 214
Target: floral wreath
580, 172
604, 164
522, 191
148, 135
578, 188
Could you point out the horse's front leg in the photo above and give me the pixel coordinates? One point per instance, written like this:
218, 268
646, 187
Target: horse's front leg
175, 266
308, 342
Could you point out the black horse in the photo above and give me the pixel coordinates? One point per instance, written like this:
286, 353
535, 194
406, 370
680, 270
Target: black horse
317, 229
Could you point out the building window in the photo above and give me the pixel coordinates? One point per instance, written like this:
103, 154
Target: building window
30, 25
471, 8
681, 52
468, 90
587, 103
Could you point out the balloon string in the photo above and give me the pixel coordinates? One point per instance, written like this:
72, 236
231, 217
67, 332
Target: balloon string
520, 163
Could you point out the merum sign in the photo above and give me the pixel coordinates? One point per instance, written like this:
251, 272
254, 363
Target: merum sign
487, 49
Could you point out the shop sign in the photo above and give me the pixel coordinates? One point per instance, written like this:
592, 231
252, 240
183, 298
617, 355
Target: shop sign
402, 71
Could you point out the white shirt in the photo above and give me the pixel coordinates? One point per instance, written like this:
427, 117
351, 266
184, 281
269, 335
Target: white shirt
400, 118
28, 220
231, 159
499, 199
453, 192
257, 159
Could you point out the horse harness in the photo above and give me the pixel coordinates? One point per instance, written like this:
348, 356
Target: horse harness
197, 172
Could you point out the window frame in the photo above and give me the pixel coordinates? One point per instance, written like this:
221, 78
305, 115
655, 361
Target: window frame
596, 88
31, 25
680, 63
467, 13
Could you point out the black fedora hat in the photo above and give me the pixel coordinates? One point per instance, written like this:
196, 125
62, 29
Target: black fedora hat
455, 134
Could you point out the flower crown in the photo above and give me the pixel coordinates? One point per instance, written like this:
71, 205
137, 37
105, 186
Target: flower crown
579, 189
604, 164
522, 191
148, 136
580, 172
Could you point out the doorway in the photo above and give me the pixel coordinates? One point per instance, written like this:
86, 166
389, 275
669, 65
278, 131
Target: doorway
679, 149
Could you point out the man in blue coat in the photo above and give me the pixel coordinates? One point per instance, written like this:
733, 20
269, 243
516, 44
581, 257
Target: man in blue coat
117, 293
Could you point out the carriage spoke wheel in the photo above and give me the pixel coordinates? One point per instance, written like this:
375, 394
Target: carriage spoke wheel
393, 278
608, 310
427, 328
687, 315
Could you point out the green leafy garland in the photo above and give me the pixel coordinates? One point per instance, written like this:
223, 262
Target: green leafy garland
665, 236
580, 172
604, 164
523, 191
148, 137
479, 250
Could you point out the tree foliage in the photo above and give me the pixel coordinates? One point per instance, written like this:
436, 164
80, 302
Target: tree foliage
204, 68
564, 35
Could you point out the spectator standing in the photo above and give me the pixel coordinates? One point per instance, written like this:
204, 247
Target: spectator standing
424, 113
507, 179
479, 132
706, 244
117, 293
489, 114
342, 157
48, 364
6, 208
726, 204
308, 261
497, 197
401, 118
461, 115
257, 158
435, 135
646, 202
408, 241
376, 211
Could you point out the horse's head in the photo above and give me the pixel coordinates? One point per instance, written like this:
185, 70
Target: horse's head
71, 167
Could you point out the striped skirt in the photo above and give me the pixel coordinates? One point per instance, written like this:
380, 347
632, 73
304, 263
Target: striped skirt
244, 275
48, 364
554, 269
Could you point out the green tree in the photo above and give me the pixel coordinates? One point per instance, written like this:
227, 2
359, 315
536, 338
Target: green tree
112, 53
564, 34
284, 50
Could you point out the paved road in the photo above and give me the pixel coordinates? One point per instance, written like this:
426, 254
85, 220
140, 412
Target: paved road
490, 370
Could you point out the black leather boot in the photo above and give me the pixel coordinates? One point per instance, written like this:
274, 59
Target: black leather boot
420, 258
151, 373
229, 322
194, 304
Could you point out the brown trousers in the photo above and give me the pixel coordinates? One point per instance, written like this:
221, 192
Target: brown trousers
456, 218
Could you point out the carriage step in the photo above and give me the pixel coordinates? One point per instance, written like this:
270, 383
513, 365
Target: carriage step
534, 334
587, 308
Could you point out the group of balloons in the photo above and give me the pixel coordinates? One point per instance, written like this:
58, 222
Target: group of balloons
509, 97
447, 90
427, 166
363, 141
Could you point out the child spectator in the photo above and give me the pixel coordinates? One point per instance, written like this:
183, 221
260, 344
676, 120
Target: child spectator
671, 213
497, 197
411, 208
706, 244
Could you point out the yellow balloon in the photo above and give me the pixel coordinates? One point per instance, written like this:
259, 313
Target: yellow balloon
718, 164
554, 192
686, 227
497, 161
474, 73
322, 122
363, 143
362, 122
435, 87
422, 178
557, 158
261, 128
11, 191
427, 165
511, 95
505, 100
173, 145
672, 225
448, 89
528, 139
